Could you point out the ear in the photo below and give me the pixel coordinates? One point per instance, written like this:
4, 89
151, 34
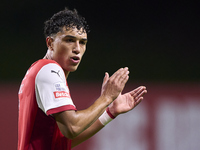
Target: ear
49, 42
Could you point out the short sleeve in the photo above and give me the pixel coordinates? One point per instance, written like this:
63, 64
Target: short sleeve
52, 92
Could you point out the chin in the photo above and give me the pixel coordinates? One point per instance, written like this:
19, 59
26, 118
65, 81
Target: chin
73, 69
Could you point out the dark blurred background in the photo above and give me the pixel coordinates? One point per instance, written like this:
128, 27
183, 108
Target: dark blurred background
157, 40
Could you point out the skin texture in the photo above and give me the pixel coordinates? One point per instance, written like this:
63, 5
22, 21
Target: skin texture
67, 48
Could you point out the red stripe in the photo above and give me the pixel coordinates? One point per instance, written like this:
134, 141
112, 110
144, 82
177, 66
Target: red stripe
60, 109
109, 113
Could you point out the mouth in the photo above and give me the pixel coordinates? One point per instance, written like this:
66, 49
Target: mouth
75, 59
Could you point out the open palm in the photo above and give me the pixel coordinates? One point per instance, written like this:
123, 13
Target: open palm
128, 101
124, 102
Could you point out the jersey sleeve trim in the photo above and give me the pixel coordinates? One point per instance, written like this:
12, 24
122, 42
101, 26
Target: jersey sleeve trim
60, 109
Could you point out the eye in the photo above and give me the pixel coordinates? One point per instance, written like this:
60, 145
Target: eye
83, 42
69, 40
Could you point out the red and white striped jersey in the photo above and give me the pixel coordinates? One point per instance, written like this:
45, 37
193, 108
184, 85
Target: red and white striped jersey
43, 92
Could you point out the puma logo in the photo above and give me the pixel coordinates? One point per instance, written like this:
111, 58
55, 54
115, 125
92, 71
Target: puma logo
52, 71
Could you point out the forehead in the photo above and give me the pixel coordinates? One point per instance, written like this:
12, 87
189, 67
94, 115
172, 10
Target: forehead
72, 32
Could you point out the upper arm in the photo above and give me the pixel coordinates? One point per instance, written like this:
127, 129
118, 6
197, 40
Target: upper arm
72, 123
52, 93
67, 123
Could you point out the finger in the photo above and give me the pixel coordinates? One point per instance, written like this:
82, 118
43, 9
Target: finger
137, 90
119, 73
122, 77
140, 92
138, 101
116, 74
106, 77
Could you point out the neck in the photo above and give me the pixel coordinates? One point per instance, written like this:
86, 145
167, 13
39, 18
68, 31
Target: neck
49, 56
66, 74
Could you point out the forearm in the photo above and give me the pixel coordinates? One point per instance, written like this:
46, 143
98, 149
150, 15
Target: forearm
89, 132
72, 123
104, 119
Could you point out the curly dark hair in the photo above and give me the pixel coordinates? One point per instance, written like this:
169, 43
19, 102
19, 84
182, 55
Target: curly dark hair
68, 18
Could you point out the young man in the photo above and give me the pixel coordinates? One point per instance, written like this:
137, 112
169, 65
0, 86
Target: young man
48, 119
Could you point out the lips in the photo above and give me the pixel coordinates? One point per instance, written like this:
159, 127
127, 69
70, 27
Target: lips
75, 59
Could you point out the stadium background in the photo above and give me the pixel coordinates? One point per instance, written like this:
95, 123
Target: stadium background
157, 40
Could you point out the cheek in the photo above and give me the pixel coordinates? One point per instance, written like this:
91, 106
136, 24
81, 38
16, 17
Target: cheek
60, 56
61, 50
83, 51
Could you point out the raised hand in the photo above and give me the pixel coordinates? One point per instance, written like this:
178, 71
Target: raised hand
113, 86
128, 101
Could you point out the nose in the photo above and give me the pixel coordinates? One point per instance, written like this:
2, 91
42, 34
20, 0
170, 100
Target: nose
76, 48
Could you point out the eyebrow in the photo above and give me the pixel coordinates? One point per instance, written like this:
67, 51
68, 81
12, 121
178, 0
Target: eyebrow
70, 36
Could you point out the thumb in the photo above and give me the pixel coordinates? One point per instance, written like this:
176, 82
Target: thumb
106, 77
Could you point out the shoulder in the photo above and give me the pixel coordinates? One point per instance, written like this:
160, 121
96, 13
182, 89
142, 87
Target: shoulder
36, 66
44, 65
49, 70
43, 62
